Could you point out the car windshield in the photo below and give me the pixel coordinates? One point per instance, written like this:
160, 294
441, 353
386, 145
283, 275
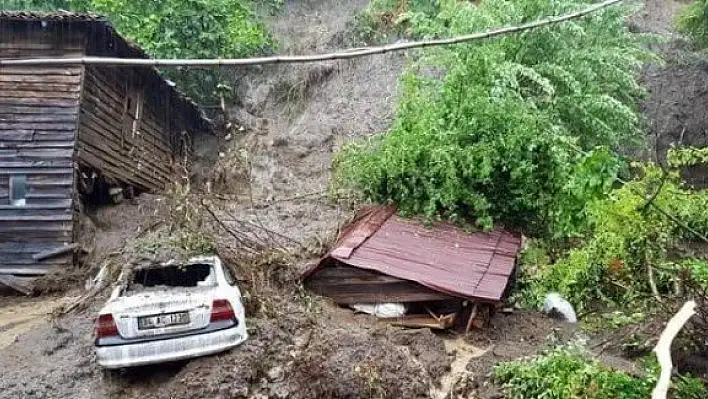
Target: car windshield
160, 277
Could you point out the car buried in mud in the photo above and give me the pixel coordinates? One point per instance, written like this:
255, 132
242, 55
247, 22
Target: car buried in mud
169, 312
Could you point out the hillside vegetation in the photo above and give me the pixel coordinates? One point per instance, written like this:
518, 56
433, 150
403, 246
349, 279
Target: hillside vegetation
488, 131
694, 22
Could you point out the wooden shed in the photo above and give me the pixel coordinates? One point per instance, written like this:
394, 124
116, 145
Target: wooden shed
66, 129
383, 258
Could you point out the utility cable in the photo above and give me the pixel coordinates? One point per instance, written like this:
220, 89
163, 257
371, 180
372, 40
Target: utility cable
291, 59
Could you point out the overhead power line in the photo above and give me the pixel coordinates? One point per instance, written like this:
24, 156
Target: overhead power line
291, 59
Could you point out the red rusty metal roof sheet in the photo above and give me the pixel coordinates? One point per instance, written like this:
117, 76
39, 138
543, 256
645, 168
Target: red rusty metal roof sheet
443, 257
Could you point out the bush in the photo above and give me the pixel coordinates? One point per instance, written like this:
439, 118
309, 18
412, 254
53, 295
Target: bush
694, 22
626, 237
570, 372
492, 139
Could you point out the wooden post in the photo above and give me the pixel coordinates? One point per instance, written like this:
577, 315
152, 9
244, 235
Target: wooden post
473, 314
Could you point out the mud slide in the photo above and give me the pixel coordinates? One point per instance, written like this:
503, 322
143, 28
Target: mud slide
463, 354
20, 314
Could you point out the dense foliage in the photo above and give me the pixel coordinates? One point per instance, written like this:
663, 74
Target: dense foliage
570, 373
627, 236
178, 29
694, 22
486, 131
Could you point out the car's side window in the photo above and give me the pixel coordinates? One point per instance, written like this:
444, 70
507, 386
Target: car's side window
229, 277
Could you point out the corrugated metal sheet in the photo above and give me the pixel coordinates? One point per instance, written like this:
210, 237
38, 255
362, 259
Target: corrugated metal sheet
444, 258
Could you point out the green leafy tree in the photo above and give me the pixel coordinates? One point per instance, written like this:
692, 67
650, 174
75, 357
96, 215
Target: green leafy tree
486, 131
627, 236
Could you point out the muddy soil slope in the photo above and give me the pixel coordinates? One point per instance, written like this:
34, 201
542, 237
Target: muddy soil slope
677, 105
297, 116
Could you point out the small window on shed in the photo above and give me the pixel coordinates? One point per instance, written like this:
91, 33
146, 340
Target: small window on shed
132, 113
18, 190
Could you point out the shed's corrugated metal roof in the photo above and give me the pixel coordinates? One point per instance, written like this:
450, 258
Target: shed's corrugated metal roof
134, 51
444, 258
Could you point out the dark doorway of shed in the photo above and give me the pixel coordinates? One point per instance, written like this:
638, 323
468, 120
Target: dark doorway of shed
98, 190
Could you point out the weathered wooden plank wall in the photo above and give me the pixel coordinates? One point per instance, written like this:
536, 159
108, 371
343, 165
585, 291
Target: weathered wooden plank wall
120, 132
349, 285
38, 122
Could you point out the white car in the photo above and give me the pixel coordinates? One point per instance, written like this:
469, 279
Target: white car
170, 312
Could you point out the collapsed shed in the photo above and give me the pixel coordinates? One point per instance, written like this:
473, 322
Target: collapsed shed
383, 258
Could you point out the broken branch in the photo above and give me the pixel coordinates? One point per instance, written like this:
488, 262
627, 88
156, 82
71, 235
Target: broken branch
650, 276
473, 314
663, 348
245, 242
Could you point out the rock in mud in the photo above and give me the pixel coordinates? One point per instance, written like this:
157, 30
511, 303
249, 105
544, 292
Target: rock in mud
276, 374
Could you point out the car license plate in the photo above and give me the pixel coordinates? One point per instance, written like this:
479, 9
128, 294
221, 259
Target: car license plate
163, 320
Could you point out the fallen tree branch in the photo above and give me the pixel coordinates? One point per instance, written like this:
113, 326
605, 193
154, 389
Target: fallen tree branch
652, 283
87, 296
260, 205
245, 242
339, 55
650, 273
650, 200
663, 348
266, 230
680, 223
83, 299
648, 203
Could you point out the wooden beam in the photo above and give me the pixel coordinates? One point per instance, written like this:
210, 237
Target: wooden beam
433, 315
422, 321
473, 314
21, 284
55, 252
